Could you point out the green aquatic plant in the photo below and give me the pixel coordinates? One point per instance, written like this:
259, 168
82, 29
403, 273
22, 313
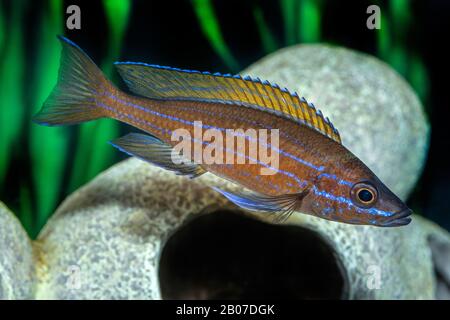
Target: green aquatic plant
11, 89
211, 28
418, 77
383, 40
82, 152
268, 40
2, 29
93, 154
48, 166
392, 47
288, 12
48, 150
309, 21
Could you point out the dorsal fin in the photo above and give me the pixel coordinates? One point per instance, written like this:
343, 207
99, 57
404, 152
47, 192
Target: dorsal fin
153, 81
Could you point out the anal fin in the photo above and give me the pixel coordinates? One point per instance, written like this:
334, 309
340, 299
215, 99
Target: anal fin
280, 206
155, 151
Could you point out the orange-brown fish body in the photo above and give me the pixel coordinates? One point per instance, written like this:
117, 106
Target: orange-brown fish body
246, 174
315, 173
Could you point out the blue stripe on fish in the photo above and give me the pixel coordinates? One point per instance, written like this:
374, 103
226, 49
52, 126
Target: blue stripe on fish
300, 182
327, 195
321, 168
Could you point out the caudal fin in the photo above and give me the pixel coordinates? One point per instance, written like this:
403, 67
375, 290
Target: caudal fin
74, 98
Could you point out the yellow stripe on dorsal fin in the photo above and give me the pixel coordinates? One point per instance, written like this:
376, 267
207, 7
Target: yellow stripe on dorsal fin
159, 82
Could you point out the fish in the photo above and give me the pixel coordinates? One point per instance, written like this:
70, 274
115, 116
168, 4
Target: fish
316, 174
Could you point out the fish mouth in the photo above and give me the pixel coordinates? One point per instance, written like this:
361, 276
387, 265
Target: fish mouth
399, 219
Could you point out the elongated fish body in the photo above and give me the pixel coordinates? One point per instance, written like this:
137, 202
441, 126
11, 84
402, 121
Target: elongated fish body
161, 118
314, 172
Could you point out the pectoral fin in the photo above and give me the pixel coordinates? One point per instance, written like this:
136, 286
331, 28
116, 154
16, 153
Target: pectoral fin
280, 206
155, 151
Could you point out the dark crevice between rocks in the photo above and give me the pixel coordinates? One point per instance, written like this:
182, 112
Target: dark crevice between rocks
225, 255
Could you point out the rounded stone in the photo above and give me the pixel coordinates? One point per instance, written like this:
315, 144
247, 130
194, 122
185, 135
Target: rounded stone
106, 242
16, 258
378, 261
106, 239
378, 115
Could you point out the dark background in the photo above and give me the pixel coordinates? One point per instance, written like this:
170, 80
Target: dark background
169, 33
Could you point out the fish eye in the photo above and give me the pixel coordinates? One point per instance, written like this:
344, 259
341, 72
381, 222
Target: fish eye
364, 194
